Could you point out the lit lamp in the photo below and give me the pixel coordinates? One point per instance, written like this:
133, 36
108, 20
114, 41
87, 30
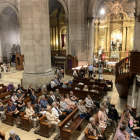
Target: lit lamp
102, 12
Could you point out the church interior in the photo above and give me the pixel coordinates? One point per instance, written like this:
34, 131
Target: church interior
70, 69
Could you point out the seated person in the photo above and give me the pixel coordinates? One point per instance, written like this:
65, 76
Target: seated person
64, 85
21, 105
82, 110
112, 109
33, 97
74, 74
129, 131
13, 110
52, 98
80, 83
90, 104
92, 80
69, 86
85, 88
30, 113
44, 102
38, 109
15, 90
44, 91
19, 94
57, 81
69, 102
30, 90
10, 87
132, 124
52, 119
57, 112
101, 117
77, 87
13, 136
57, 95
20, 88
73, 98
136, 117
93, 130
121, 134
52, 83
64, 106
2, 111
14, 98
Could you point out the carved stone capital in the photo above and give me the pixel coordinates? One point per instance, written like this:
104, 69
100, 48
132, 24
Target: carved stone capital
90, 19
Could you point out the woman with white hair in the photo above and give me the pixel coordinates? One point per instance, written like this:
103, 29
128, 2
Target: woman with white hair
57, 112
82, 110
52, 119
90, 103
93, 130
2, 112
13, 136
30, 113
85, 88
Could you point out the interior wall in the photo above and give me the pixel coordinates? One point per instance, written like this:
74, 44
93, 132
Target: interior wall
10, 33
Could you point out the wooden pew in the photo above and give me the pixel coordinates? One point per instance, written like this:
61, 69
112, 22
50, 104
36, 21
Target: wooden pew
65, 133
3, 89
99, 89
2, 136
91, 84
25, 122
79, 93
88, 79
89, 137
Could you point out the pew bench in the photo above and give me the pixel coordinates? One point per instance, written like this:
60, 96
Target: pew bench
89, 137
3, 89
65, 133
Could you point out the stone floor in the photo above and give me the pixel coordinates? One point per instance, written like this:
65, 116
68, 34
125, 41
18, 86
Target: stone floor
16, 76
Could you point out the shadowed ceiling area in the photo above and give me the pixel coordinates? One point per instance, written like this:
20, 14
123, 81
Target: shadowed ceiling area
53, 5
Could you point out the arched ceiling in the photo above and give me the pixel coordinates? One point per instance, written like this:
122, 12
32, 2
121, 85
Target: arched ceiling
128, 8
53, 5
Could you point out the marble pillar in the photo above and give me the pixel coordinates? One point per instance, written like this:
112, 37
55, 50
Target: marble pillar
128, 39
96, 38
105, 39
35, 42
124, 39
54, 37
108, 38
51, 37
136, 40
58, 36
90, 40
68, 49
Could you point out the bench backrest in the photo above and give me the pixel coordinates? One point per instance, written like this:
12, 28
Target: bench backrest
68, 118
5, 94
42, 119
4, 88
79, 93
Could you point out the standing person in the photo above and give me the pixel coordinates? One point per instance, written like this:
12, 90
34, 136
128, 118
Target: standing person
100, 70
90, 68
8, 65
74, 74
13, 136
62, 72
82, 71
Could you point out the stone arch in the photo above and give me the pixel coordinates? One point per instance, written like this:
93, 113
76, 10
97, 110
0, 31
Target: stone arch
65, 7
92, 9
5, 5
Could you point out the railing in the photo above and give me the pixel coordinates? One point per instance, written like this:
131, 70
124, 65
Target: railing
123, 67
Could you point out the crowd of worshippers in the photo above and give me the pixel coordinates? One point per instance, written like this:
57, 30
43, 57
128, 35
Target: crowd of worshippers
130, 127
107, 114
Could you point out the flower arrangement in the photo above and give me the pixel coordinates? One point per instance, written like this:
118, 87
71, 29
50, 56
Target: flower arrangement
115, 55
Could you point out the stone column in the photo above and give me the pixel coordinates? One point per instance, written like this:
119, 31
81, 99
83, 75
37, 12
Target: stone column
124, 39
108, 38
96, 38
105, 39
128, 39
68, 49
1, 58
54, 37
35, 42
90, 41
51, 37
58, 36
134, 92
